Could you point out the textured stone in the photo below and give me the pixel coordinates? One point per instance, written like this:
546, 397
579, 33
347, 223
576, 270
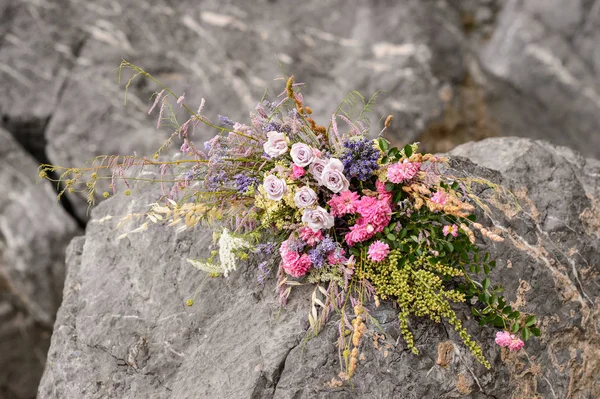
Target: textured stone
548, 51
34, 231
124, 330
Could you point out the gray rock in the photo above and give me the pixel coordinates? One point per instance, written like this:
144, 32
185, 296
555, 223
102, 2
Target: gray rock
34, 231
547, 50
124, 331
226, 52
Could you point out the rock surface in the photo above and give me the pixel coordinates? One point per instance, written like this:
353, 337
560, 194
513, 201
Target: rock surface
34, 231
62, 101
548, 50
124, 331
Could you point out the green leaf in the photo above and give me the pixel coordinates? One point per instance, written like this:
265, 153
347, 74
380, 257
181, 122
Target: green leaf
391, 237
530, 321
450, 247
486, 269
486, 283
507, 310
389, 186
515, 327
408, 150
526, 333
385, 159
403, 233
383, 144
535, 331
398, 196
514, 315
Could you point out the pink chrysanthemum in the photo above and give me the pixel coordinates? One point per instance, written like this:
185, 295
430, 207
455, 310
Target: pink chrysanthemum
403, 171
378, 251
450, 229
310, 237
343, 203
439, 198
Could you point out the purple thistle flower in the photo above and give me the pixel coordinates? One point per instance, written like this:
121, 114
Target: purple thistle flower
360, 159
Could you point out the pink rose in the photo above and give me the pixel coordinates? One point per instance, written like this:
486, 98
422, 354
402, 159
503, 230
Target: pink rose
516, 345
302, 154
316, 169
274, 187
317, 219
305, 197
503, 338
276, 144
333, 176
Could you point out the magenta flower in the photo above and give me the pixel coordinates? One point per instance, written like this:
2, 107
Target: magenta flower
439, 198
297, 171
403, 171
453, 229
378, 251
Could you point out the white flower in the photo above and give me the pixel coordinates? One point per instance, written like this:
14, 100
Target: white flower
228, 245
274, 187
276, 145
305, 197
302, 154
317, 219
333, 176
316, 169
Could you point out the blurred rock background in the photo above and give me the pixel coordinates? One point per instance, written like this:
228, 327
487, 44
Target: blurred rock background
452, 71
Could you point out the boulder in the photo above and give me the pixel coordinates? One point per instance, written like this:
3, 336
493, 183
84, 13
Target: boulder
34, 231
124, 330
547, 50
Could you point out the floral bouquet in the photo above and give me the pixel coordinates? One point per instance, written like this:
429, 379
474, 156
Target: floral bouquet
333, 206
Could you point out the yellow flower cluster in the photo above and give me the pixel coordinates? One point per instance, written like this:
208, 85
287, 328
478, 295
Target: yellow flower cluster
419, 289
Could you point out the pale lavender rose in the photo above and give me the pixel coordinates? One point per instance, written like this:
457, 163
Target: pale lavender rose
276, 145
333, 176
317, 219
305, 197
316, 169
302, 154
274, 187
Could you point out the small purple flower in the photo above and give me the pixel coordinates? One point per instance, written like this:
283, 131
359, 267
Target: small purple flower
360, 159
243, 182
267, 248
226, 121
